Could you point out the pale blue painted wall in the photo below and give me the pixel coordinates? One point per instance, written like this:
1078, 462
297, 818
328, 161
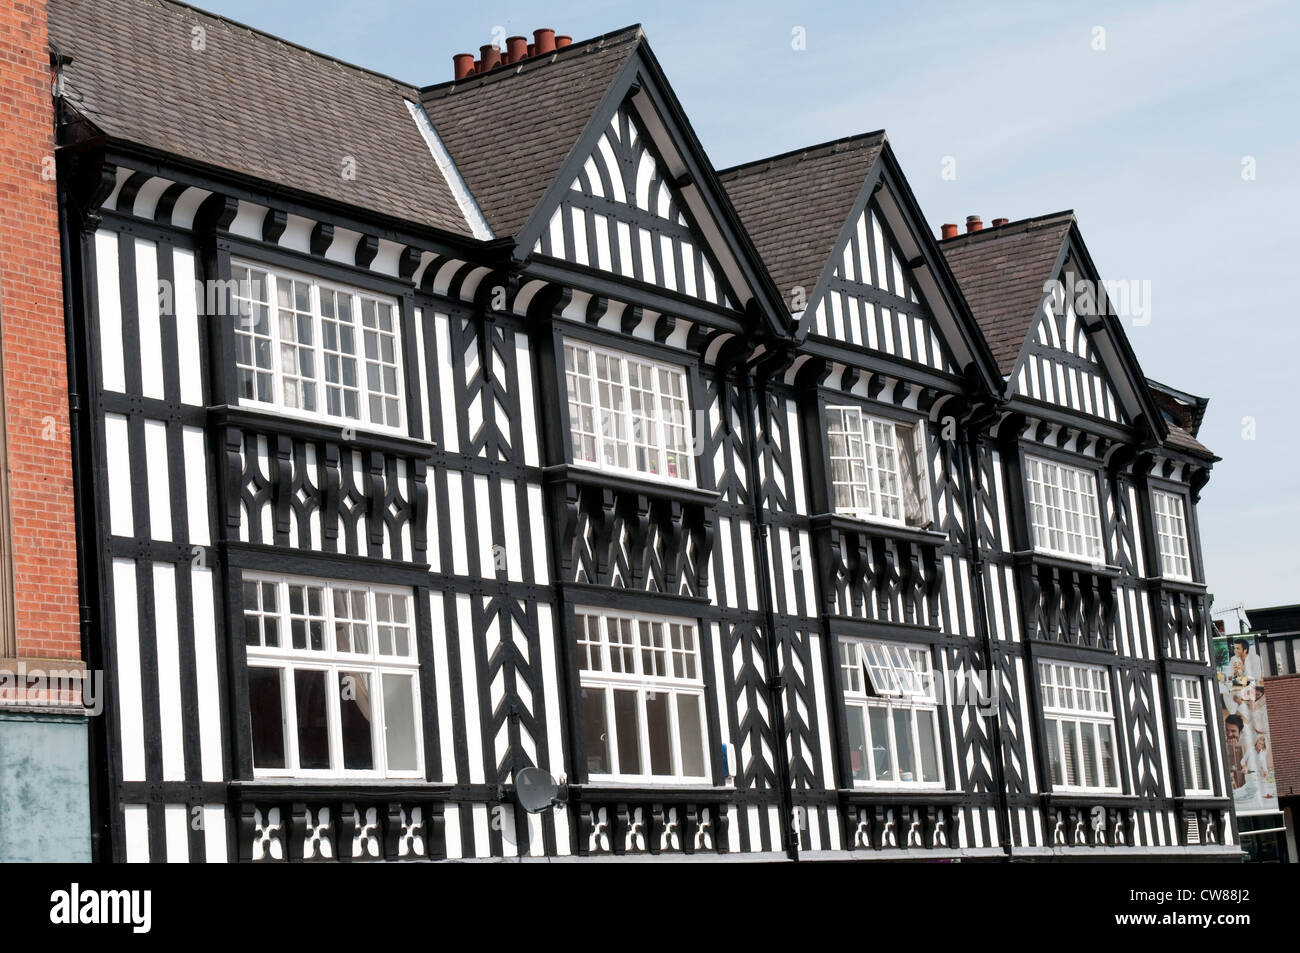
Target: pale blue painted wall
44, 788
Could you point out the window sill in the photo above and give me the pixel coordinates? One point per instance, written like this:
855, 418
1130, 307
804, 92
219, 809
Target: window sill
899, 531
1174, 584
1087, 798
669, 792
1025, 557
250, 418
337, 788
897, 795
657, 489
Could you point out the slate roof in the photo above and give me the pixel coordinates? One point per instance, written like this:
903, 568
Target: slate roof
1001, 273
1180, 439
251, 104
510, 130
795, 205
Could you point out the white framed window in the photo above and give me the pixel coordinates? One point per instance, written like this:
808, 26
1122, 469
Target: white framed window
878, 469
1193, 740
315, 349
1063, 510
333, 679
1171, 531
892, 714
642, 694
628, 414
1080, 727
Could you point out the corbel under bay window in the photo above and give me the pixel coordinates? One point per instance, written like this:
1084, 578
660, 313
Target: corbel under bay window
1080, 724
642, 697
333, 679
892, 714
878, 469
1171, 533
1193, 744
628, 414
1063, 510
314, 349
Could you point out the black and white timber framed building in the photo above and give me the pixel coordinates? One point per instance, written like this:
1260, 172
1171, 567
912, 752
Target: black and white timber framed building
486, 425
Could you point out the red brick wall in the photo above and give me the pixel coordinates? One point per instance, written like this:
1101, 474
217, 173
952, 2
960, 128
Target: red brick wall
35, 366
1283, 696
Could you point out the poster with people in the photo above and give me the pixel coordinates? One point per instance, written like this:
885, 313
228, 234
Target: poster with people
1243, 711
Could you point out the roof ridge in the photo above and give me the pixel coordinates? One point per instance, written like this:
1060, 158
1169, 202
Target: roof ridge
630, 33
317, 54
815, 151
1003, 231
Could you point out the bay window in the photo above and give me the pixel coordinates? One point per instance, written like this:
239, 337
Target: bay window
627, 413
315, 349
878, 469
333, 679
1080, 721
1171, 532
642, 694
1193, 746
1063, 510
892, 713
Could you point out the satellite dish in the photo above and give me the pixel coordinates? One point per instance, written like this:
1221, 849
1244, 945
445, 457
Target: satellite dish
535, 789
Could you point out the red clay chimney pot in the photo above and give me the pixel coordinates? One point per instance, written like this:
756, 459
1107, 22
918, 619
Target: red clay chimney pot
491, 56
562, 41
948, 230
999, 222
516, 48
543, 42
462, 65
973, 223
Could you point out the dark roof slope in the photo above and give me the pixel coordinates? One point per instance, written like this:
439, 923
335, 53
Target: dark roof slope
1180, 439
1001, 273
1277, 620
251, 104
509, 131
795, 205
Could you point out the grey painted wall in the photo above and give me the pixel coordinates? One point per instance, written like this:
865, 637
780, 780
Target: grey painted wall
44, 788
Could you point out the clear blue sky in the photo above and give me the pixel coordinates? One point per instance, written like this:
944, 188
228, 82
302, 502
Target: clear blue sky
1145, 140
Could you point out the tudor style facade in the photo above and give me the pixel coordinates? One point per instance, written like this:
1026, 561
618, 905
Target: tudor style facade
531, 440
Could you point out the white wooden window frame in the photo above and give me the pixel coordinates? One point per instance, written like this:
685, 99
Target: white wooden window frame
1189, 725
1064, 509
1076, 697
365, 420
616, 425
288, 660
1171, 534
898, 680
610, 676
877, 473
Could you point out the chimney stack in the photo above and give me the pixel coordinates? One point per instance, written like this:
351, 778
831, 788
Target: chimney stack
948, 230
973, 223
999, 222
517, 50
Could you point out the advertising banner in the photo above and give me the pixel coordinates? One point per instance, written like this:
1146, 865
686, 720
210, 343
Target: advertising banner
1243, 712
